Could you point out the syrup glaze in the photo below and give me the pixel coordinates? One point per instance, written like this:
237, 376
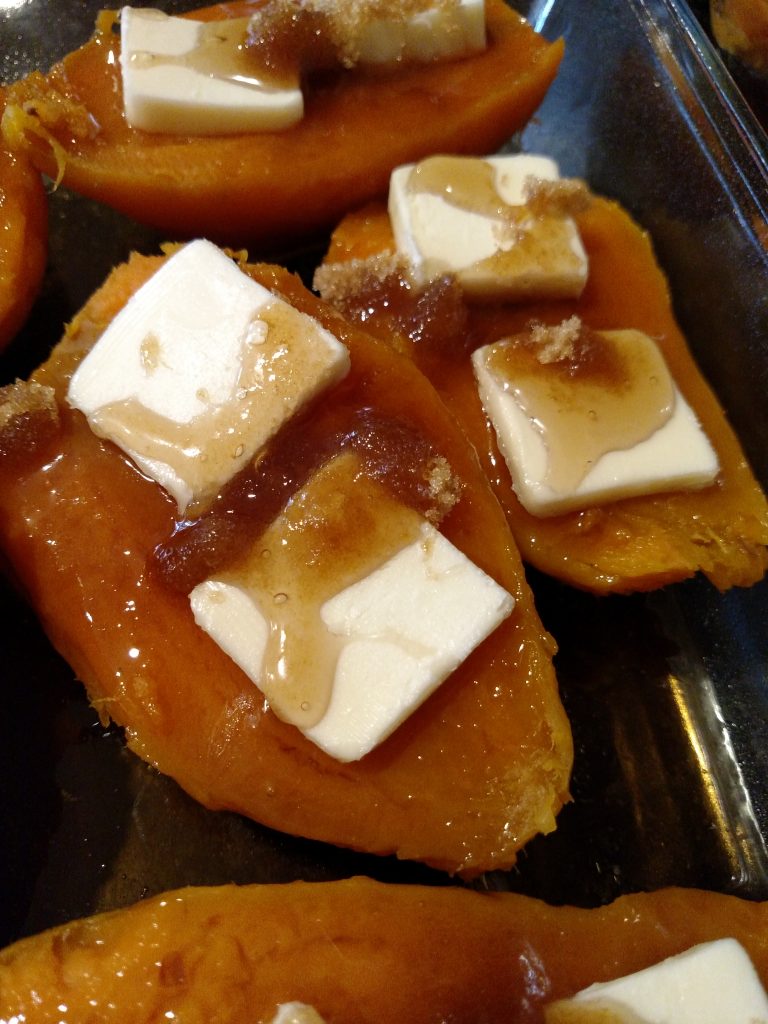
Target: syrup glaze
220, 52
605, 391
282, 349
397, 457
461, 181
280, 42
335, 531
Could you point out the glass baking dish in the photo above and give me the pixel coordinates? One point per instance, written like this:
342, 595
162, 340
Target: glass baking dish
667, 693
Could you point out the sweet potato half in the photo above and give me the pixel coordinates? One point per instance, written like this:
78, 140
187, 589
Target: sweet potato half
276, 186
631, 545
462, 785
359, 951
23, 238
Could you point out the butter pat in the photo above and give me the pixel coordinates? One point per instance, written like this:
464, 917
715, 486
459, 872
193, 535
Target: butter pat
187, 77
405, 628
581, 435
713, 983
468, 217
441, 30
348, 621
199, 369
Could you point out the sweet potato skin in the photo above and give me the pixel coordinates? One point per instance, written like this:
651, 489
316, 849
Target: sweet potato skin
23, 238
631, 545
359, 951
274, 187
475, 773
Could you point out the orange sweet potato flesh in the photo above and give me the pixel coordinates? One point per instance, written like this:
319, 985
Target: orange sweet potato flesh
740, 27
462, 785
359, 951
638, 543
23, 238
272, 187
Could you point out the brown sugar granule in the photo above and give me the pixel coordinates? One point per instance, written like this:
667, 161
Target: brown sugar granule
380, 293
557, 342
444, 487
348, 21
337, 282
564, 197
295, 38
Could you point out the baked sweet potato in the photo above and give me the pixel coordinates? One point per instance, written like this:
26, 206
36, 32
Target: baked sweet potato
479, 769
630, 545
23, 238
359, 951
740, 28
271, 187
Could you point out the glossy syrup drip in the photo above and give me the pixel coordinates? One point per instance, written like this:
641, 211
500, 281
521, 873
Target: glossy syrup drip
611, 391
216, 443
460, 181
286, 40
398, 458
335, 531
222, 52
597, 1011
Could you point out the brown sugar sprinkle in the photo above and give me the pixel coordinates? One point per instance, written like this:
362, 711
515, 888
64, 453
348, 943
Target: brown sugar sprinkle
349, 20
394, 454
564, 197
337, 282
556, 343
292, 37
379, 292
29, 418
444, 489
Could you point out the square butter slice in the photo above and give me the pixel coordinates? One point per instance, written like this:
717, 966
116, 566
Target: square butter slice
199, 369
469, 217
568, 448
186, 77
419, 32
712, 983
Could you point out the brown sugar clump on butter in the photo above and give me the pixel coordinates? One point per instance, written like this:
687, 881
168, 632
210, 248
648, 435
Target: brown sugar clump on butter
316, 34
563, 197
556, 342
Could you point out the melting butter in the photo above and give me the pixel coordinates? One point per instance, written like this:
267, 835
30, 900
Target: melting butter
568, 1012
530, 239
280, 353
336, 531
463, 182
610, 391
221, 52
